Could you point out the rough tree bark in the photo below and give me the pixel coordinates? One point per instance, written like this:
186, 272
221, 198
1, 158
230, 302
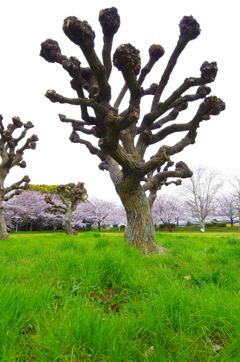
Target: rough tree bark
124, 136
11, 155
140, 230
69, 196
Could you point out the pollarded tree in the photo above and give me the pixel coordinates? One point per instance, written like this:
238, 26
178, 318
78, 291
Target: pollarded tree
11, 154
69, 196
9, 193
124, 136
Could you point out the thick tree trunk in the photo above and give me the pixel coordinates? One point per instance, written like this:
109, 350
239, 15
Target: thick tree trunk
67, 228
67, 224
202, 224
140, 230
3, 227
201, 219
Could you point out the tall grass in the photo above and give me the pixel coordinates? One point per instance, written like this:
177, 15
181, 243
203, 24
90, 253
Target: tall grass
90, 297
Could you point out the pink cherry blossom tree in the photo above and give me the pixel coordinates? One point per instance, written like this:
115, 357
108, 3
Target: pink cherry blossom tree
29, 209
77, 217
168, 209
99, 211
119, 217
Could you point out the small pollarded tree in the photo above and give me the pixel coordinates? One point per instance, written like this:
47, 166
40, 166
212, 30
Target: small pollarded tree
125, 136
69, 196
11, 154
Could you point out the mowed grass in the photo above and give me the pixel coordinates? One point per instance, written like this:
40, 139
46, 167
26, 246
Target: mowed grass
90, 297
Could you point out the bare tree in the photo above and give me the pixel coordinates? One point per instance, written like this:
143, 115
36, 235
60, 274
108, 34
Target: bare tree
234, 183
69, 196
124, 136
228, 206
11, 154
200, 192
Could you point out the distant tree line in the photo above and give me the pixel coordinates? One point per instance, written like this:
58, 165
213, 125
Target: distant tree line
61, 209
206, 196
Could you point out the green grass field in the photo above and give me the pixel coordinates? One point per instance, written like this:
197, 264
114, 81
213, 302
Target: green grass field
90, 297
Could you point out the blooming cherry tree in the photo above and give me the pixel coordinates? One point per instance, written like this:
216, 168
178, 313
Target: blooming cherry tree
168, 209
29, 209
99, 211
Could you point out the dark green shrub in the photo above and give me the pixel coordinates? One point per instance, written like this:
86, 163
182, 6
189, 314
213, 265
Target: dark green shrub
221, 224
209, 225
162, 226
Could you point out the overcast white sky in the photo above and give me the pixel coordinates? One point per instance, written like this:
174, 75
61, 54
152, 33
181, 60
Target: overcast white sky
25, 77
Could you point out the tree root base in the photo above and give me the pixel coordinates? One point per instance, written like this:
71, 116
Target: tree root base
150, 248
153, 248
